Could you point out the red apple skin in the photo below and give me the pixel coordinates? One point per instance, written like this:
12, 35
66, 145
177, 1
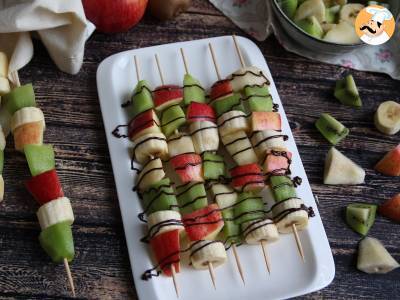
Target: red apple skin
114, 15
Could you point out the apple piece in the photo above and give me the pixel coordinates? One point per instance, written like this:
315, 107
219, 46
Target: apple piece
391, 208
144, 123
390, 163
45, 187
168, 9
277, 162
341, 170
114, 16
247, 178
203, 224
167, 95
200, 112
188, 167
221, 89
28, 134
265, 120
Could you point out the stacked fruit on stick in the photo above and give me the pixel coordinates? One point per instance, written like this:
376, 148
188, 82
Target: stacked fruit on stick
55, 213
289, 212
247, 177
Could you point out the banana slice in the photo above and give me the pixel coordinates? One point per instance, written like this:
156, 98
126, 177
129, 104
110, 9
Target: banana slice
232, 121
1, 188
327, 26
204, 252
55, 211
373, 258
26, 115
4, 86
387, 117
180, 143
239, 147
256, 231
152, 172
349, 12
266, 140
311, 8
342, 33
284, 215
2, 139
3, 65
150, 145
247, 76
164, 221
223, 195
204, 136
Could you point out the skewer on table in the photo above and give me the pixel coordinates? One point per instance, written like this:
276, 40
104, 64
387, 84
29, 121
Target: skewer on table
17, 83
294, 228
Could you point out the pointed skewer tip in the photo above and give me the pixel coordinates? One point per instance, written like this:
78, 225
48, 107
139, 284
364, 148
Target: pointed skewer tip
69, 275
298, 242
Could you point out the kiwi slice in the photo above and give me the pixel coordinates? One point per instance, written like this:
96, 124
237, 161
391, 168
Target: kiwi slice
289, 7
160, 196
311, 26
141, 99
346, 92
191, 197
282, 188
227, 104
231, 231
192, 90
20, 97
172, 118
331, 129
249, 207
360, 217
213, 166
258, 98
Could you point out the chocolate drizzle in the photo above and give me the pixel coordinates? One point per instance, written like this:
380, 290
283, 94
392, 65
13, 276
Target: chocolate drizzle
260, 74
116, 133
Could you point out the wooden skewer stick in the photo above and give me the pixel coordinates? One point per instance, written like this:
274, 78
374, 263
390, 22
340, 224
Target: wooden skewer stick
69, 275
175, 280
159, 69
137, 68
185, 63
298, 242
212, 274
214, 61
17, 83
238, 51
238, 264
266, 258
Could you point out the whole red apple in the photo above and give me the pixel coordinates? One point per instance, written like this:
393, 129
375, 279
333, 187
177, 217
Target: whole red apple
114, 15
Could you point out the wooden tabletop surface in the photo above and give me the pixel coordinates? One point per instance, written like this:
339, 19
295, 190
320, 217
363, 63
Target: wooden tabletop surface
101, 268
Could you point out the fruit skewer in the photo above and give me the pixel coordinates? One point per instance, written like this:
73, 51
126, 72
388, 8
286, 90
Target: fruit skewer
55, 213
4, 89
276, 159
202, 221
206, 140
247, 177
159, 200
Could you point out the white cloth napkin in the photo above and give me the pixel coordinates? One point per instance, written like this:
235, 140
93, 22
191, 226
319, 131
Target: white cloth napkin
60, 24
256, 18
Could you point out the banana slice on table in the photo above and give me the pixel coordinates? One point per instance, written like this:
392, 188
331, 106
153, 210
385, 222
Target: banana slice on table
311, 8
206, 251
342, 33
55, 211
164, 221
150, 145
204, 136
152, 172
349, 12
180, 143
288, 212
256, 231
387, 117
232, 121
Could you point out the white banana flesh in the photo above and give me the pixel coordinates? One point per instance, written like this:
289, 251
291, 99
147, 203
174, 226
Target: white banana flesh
164, 221
3, 65
2, 139
261, 230
206, 251
1, 188
342, 33
247, 76
289, 212
150, 145
387, 117
204, 136
152, 172
26, 115
232, 121
180, 143
224, 195
239, 147
55, 211
311, 8
349, 12
4, 86
267, 140
373, 258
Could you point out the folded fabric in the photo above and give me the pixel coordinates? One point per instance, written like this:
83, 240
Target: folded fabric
61, 25
256, 18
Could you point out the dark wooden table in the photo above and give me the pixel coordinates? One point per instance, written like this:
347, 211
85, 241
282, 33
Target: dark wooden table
74, 125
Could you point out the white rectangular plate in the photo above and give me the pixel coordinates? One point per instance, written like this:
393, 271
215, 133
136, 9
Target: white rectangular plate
289, 277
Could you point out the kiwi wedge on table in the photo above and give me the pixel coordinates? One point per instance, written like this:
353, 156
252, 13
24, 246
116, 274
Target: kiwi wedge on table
360, 217
346, 92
